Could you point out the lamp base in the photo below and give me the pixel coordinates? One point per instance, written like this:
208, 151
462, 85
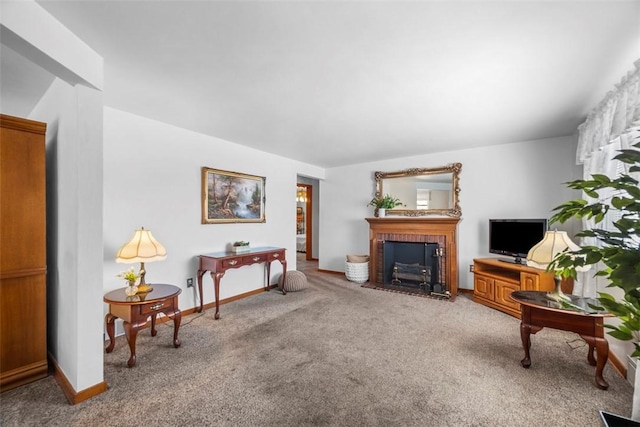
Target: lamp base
558, 297
144, 288
557, 294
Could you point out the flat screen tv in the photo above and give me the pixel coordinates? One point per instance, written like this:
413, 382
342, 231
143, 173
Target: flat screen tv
514, 237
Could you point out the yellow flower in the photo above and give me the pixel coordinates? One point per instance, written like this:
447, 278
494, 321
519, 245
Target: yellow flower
130, 275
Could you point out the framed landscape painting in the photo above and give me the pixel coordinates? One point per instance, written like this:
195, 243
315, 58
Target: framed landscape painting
231, 197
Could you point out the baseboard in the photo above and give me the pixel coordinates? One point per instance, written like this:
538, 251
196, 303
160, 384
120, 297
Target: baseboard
331, 272
618, 364
74, 397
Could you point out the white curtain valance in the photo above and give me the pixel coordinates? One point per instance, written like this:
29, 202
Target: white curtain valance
612, 126
618, 112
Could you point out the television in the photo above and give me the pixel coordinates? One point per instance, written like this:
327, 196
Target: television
515, 237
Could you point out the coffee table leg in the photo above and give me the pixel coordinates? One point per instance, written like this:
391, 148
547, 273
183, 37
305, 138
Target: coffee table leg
602, 350
590, 357
525, 335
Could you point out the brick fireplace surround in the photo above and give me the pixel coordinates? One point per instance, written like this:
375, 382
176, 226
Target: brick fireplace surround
442, 231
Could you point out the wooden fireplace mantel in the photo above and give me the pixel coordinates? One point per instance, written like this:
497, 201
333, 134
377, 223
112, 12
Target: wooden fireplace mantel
439, 230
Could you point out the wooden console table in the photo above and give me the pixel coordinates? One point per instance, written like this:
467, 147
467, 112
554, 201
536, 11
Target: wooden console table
135, 310
538, 312
219, 262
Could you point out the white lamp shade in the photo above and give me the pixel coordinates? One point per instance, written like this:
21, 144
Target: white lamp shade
142, 247
553, 243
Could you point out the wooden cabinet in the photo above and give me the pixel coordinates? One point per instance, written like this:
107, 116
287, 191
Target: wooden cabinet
23, 300
495, 280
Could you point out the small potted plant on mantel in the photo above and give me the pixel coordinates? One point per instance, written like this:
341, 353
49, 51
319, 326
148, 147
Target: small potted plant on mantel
382, 203
618, 256
240, 247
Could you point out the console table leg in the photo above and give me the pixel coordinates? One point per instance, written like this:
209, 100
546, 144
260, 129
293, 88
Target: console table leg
525, 335
216, 285
267, 267
110, 322
200, 274
283, 262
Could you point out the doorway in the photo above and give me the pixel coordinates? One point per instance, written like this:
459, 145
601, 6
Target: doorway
304, 220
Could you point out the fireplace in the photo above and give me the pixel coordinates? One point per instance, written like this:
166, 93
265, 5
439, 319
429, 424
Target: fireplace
436, 236
412, 265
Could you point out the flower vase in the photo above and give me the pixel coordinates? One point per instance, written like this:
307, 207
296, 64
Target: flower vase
132, 289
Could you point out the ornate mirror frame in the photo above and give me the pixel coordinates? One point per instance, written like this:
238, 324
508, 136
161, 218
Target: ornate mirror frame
453, 169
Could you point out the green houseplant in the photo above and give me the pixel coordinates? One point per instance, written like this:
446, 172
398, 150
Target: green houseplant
240, 246
385, 202
382, 203
618, 257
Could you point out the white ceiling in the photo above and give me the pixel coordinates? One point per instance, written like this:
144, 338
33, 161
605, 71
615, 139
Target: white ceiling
335, 83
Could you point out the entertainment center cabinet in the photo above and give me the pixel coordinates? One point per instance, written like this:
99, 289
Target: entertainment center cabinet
495, 279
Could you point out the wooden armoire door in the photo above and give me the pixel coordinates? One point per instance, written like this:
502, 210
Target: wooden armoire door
23, 268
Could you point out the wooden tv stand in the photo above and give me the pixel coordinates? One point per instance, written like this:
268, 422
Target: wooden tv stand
494, 280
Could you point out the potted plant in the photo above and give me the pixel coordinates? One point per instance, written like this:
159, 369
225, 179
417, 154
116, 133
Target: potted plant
240, 246
382, 203
618, 257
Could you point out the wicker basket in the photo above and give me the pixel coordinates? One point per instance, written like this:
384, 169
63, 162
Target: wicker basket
357, 272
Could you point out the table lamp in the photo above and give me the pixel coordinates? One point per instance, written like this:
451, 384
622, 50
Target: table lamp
541, 255
142, 247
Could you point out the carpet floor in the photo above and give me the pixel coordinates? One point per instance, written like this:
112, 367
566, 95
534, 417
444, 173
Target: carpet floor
337, 354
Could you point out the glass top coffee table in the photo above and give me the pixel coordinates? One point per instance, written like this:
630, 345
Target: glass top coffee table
538, 311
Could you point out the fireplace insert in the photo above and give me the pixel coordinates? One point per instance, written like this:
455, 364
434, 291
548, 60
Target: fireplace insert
413, 265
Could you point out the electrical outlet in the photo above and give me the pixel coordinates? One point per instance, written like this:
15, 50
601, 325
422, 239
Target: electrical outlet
190, 282
471, 268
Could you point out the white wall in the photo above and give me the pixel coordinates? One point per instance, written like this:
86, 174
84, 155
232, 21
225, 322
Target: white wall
74, 219
519, 180
152, 178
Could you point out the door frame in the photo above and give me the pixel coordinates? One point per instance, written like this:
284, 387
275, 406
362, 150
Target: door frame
308, 220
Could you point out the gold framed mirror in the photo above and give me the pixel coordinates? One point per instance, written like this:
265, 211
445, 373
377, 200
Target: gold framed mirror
422, 191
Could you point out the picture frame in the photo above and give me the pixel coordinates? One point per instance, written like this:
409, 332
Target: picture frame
232, 197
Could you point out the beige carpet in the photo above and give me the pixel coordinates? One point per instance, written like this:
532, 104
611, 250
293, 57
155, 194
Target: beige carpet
337, 354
